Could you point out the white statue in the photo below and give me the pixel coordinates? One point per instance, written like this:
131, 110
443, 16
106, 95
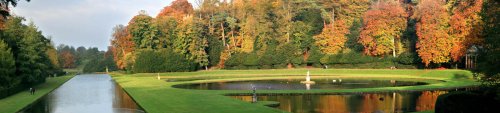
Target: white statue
308, 79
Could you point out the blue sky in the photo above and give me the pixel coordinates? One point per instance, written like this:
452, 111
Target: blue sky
85, 23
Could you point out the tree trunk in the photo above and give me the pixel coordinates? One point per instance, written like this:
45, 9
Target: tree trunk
393, 48
223, 34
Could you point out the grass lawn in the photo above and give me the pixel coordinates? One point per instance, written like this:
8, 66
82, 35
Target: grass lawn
16, 102
157, 96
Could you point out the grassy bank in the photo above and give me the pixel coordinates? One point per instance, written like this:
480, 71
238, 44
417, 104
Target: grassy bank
157, 96
20, 100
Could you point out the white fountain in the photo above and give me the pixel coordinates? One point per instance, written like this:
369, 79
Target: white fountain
308, 80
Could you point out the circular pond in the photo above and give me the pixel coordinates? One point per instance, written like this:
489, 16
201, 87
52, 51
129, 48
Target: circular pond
295, 84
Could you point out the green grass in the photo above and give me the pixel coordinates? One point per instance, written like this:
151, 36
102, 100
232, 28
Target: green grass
15, 103
157, 96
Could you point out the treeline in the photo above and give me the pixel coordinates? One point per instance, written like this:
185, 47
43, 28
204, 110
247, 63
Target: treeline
264, 34
26, 56
87, 59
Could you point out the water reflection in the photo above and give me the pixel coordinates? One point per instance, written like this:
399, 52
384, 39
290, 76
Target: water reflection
294, 84
86, 94
356, 103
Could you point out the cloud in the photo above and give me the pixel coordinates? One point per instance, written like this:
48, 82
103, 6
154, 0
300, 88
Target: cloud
86, 23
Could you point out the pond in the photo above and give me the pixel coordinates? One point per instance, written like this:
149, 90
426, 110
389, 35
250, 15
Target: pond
294, 84
92, 93
354, 103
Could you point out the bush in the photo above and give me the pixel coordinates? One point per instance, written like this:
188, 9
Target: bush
266, 60
314, 56
150, 61
407, 58
251, 60
236, 59
361, 61
175, 62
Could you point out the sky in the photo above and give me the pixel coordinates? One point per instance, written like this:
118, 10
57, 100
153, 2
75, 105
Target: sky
87, 23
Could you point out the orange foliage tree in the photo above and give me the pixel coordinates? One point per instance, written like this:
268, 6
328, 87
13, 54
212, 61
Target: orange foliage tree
121, 45
434, 43
68, 59
332, 39
465, 26
178, 9
383, 26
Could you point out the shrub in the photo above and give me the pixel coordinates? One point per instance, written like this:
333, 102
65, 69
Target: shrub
407, 58
236, 59
266, 60
150, 61
314, 56
251, 60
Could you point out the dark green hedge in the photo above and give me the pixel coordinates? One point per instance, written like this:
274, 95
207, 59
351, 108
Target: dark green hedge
280, 58
151, 61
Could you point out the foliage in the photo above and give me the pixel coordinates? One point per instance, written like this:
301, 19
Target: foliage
191, 41
407, 58
314, 56
7, 3
214, 49
27, 57
178, 9
8, 67
101, 64
488, 61
465, 25
332, 39
163, 60
383, 26
143, 31
284, 32
434, 43
67, 59
122, 44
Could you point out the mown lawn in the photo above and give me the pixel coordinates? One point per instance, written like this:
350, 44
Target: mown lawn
157, 96
20, 100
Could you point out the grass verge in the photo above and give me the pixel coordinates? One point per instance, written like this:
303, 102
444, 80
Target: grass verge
16, 102
158, 96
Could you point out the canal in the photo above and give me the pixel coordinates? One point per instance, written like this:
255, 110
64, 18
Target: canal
89, 93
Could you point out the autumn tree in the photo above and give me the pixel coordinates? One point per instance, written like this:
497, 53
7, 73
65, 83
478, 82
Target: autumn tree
178, 9
434, 43
53, 57
465, 24
122, 44
332, 39
383, 27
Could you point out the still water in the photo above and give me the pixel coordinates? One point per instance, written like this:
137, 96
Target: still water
354, 103
92, 93
294, 84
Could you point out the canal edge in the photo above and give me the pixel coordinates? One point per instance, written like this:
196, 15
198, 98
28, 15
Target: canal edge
38, 99
124, 90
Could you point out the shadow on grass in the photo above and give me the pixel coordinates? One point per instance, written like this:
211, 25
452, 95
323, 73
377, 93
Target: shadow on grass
460, 76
